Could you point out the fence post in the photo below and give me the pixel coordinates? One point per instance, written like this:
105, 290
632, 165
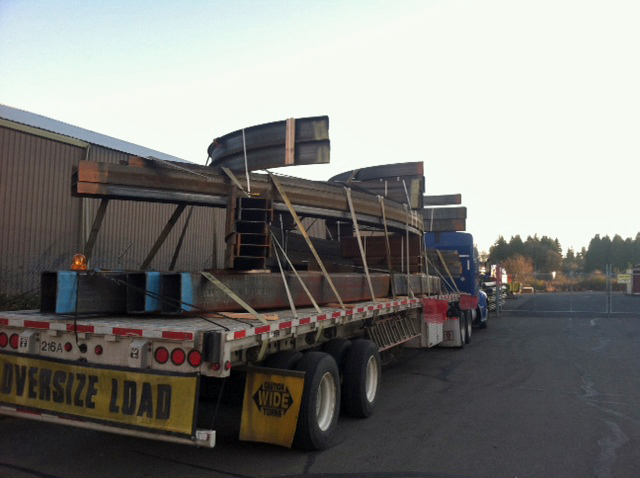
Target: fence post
609, 269
571, 291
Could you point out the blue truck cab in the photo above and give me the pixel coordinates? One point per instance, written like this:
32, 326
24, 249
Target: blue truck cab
462, 242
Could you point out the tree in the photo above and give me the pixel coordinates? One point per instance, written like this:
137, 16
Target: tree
619, 255
516, 246
499, 251
520, 268
594, 257
571, 261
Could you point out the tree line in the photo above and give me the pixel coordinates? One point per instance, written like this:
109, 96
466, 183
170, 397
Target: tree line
544, 254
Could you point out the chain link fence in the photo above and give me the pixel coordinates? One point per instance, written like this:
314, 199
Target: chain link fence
577, 292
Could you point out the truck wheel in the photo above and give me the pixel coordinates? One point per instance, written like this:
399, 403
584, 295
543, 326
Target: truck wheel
469, 325
338, 348
320, 405
286, 360
361, 383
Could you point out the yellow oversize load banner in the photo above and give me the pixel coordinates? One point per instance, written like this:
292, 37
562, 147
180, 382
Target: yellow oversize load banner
117, 397
271, 405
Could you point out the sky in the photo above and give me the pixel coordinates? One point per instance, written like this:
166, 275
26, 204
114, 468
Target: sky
529, 109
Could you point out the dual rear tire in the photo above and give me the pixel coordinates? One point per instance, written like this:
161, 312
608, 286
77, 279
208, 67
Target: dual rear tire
346, 374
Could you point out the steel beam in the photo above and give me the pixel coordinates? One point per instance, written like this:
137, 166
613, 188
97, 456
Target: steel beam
163, 184
191, 292
415, 168
443, 200
72, 292
282, 143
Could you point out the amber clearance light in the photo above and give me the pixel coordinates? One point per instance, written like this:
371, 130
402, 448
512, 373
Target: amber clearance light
79, 263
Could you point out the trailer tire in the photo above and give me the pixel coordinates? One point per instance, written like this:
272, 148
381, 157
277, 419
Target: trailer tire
469, 325
361, 381
338, 348
463, 330
320, 404
285, 360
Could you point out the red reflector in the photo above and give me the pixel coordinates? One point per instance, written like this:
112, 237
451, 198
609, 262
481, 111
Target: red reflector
177, 335
194, 358
227, 365
4, 340
98, 350
68, 347
161, 355
123, 331
215, 366
177, 356
14, 340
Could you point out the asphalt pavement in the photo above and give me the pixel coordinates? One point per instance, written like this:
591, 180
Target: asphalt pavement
533, 395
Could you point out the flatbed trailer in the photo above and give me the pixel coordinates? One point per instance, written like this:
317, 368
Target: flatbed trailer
133, 352
141, 376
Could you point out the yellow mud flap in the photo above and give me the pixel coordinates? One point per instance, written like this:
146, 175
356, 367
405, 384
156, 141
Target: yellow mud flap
271, 405
159, 402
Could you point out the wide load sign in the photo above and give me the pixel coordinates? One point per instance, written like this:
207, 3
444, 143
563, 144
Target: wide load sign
120, 397
271, 405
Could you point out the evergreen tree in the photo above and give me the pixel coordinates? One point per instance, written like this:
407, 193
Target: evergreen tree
516, 246
499, 252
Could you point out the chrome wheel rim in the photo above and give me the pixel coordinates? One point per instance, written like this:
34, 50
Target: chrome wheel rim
326, 401
371, 380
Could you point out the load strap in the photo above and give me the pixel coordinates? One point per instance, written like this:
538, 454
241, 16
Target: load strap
388, 246
303, 231
233, 178
234, 297
453, 282
292, 305
363, 256
293, 269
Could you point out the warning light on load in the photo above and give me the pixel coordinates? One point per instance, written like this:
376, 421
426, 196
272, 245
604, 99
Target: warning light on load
79, 263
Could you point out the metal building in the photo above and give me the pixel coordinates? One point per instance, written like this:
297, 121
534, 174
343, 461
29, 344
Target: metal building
42, 226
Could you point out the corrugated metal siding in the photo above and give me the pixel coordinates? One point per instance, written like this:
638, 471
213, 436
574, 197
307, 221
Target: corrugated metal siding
42, 226
38, 217
130, 230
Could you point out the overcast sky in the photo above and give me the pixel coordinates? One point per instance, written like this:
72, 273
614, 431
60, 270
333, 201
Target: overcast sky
529, 109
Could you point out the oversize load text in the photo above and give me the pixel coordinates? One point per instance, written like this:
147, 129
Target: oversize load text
147, 400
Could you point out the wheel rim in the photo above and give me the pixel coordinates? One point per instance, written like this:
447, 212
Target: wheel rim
371, 381
326, 401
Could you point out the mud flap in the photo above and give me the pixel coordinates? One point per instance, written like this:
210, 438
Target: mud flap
271, 405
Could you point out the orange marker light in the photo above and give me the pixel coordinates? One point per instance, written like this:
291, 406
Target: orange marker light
79, 263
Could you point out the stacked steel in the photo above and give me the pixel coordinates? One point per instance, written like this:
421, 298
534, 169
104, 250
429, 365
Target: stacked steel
306, 271
248, 238
402, 182
444, 219
376, 252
